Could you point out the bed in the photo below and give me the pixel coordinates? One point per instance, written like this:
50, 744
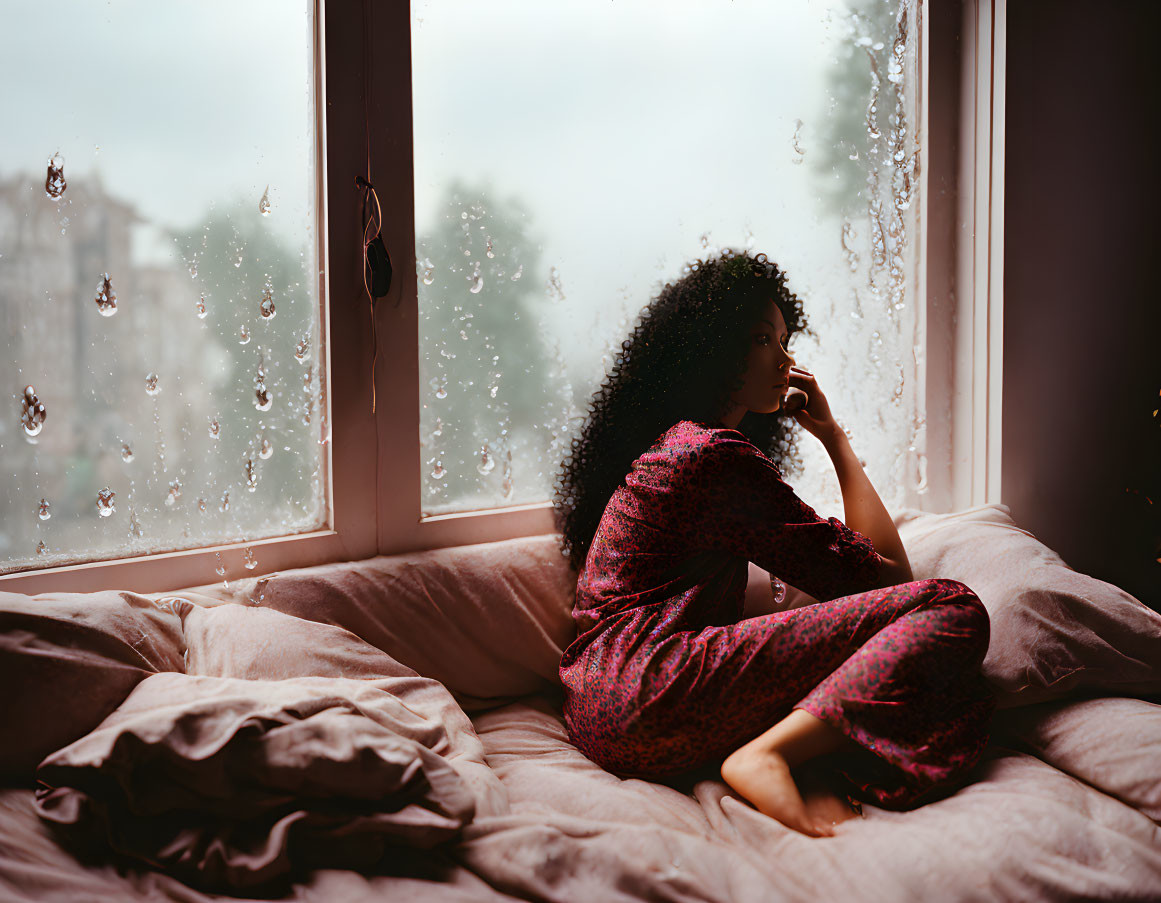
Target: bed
391, 729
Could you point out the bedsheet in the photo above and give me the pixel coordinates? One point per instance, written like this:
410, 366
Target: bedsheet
1020, 830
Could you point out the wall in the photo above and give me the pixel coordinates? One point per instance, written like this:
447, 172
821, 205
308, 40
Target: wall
1082, 450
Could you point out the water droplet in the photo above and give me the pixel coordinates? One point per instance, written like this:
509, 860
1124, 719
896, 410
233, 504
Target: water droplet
519, 272
134, 527
201, 506
491, 253
427, 269
238, 258
266, 306
307, 378
476, 280
243, 335
215, 429
106, 502
779, 589
55, 182
302, 350
554, 287
33, 413
487, 464
798, 149
106, 297
151, 386
248, 559
201, 308
126, 453
266, 449
438, 431
438, 473
193, 269
439, 383
41, 548
174, 493
224, 504
851, 255
251, 476
264, 204
43, 513
263, 400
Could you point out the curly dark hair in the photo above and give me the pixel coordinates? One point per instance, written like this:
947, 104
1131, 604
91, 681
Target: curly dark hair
682, 361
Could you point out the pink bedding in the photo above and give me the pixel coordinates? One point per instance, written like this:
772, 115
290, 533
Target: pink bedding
245, 712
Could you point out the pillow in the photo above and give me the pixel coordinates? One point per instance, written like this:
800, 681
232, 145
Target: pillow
1112, 743
1055, 633
238, 641
67, 660
228, 784
488, 621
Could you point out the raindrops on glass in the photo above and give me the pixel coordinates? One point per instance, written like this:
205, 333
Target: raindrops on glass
438, 430
519, 272
302, 350
799, 152
439, 384
215, 429
41, 548
476, 280
779, 590
55, 182
262, 397
42, 512
134, 526
224, 504
265, 450
852, 255
106, 502
487, 462
251, 475
244, 335
248, 559
201, 307
174, 493
106, 297
307, 379
554, 287
201, 506
33, 413
151, 386
266, 307
220, 570
264, 204
259, 590
438, 473
427, 271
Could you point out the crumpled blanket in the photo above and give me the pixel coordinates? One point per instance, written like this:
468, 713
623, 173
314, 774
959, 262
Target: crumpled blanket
229, 784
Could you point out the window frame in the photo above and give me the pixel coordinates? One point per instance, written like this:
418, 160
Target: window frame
959, 264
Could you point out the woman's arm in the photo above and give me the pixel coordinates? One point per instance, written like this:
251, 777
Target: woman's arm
864, 509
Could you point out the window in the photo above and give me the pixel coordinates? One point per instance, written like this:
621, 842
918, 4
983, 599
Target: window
159, 263
570, 157
374, 465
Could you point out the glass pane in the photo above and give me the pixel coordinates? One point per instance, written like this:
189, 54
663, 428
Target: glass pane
160, 291
571, 157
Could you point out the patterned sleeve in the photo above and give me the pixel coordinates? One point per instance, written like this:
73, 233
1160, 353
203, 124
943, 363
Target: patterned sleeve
748, 509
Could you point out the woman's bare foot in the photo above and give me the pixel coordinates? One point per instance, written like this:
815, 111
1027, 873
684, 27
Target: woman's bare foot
763, 778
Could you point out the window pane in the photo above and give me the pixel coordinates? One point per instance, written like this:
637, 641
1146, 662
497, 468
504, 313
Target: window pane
571, 157
162, 299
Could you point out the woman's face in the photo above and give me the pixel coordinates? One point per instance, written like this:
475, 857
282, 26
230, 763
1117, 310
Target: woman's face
765, 380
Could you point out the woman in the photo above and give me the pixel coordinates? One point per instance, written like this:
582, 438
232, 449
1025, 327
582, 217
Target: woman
874, 693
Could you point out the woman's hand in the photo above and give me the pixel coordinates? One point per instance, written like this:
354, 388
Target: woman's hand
806, 403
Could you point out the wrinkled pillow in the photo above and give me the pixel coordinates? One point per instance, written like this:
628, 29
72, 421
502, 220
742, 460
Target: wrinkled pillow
488, 621
1055, 633
229, 784
1112, 743
69, 659
255, 643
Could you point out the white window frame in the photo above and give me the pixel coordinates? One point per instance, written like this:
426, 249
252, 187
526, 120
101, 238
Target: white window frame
960, 263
